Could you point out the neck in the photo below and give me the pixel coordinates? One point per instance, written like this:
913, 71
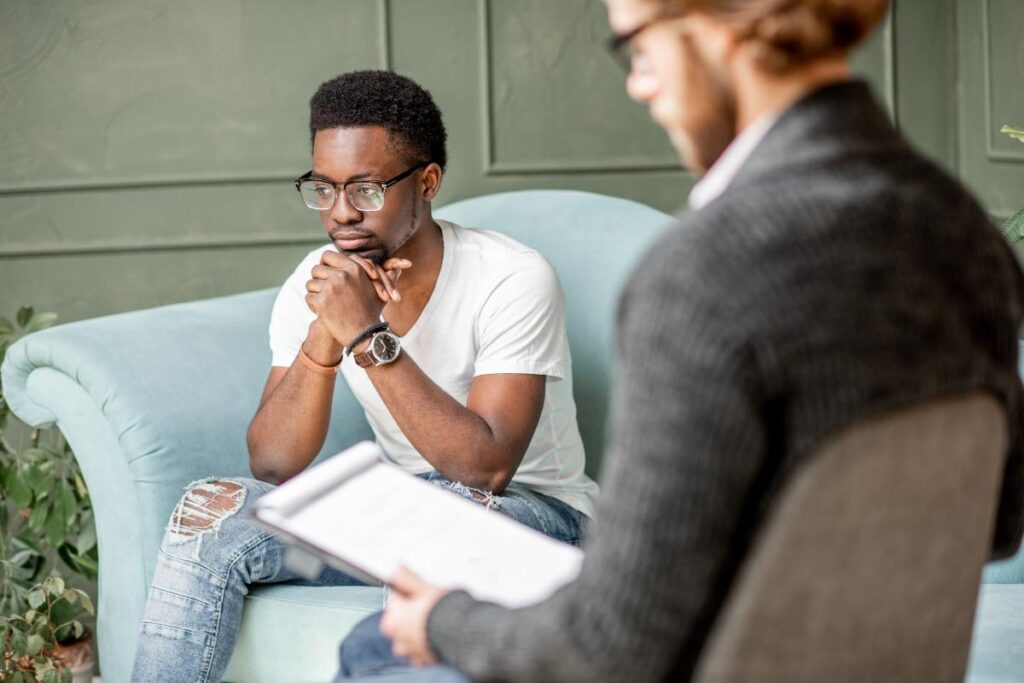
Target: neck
759, 93
425, 249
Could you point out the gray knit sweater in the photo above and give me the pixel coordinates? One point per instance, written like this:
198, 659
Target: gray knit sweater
839, 276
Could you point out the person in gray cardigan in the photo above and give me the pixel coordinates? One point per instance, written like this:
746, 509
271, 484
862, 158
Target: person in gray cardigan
824, 273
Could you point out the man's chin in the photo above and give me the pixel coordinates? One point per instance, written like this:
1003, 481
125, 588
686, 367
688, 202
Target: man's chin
375, 255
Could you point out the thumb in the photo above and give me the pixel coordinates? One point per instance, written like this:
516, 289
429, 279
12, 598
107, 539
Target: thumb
406, 583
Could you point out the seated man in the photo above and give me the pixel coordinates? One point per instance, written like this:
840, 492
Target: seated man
462, 367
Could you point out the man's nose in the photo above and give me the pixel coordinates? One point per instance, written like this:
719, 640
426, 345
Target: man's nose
641, 84
343, 212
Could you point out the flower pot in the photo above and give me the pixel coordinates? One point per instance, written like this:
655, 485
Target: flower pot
78, 657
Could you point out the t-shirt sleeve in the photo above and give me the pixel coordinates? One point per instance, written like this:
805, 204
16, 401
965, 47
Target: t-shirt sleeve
521, 326
291, 317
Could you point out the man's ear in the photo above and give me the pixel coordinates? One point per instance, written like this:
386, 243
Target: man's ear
715, 41
430, 181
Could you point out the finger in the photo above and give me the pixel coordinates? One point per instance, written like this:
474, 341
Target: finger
406, 583
311, 303
396, 264
388, 284
382, 293
399, 649
333, 259
314, 285
321, 272
368, 267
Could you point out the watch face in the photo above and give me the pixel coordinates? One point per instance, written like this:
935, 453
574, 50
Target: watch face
385, 347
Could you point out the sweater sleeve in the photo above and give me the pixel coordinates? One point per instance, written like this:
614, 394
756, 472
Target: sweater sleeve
687, 446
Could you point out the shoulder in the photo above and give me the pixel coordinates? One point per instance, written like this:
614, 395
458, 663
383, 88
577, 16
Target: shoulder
494, 257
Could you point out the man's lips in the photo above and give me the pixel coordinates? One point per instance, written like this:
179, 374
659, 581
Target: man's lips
350, 241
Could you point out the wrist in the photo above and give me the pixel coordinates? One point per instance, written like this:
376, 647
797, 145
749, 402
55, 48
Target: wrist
321, 347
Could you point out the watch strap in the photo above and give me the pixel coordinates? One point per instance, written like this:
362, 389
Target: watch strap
366, 334
367, 359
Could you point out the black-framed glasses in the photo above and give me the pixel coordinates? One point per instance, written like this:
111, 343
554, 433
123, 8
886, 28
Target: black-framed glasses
620, 45
363, 195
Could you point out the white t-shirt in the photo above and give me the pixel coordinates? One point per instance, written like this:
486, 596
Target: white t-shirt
497, 308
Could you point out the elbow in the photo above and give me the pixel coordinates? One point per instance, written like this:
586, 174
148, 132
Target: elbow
499, 480
260, 465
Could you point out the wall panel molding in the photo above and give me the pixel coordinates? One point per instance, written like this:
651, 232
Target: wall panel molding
190, 180
495, 167
991, 128
194, 169
120, 247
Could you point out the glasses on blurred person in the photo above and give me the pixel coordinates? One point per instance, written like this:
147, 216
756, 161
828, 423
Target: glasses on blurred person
620, 45
363, 195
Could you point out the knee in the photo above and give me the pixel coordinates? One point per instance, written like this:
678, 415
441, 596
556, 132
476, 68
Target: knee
488, 499
204, 507
365, 649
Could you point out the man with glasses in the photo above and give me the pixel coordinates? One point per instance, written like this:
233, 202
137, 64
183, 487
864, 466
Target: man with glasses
825, 273
452, 339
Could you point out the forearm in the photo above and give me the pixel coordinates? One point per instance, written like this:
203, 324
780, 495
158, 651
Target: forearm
292, 421
457, 442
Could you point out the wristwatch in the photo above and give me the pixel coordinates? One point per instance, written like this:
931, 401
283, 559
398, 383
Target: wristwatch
384, 348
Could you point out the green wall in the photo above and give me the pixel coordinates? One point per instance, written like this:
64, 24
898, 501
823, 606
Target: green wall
147, 146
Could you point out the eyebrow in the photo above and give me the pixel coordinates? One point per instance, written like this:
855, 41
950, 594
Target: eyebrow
365, 175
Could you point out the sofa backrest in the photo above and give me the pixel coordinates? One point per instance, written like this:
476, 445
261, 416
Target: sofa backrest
593, 242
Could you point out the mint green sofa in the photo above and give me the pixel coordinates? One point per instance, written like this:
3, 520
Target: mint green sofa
154, 399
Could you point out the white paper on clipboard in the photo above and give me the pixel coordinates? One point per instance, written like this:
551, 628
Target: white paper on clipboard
374, 517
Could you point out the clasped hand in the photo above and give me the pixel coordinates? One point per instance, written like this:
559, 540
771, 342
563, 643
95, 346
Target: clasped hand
348, 292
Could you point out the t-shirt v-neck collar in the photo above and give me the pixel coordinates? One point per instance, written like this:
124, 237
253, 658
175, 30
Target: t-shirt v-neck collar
447, 253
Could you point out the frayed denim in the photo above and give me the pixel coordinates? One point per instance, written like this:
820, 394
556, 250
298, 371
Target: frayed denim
212, 552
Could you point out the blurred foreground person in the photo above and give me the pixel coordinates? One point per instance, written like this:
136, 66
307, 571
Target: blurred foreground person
824, 273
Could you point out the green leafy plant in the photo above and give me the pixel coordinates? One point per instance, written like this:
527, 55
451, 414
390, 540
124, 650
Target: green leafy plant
1013, 229
33, 641
45, 514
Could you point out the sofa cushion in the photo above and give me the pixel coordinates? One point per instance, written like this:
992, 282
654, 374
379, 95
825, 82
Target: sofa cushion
285, 624
997, 650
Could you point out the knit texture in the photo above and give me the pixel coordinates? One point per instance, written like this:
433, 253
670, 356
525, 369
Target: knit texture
839, 276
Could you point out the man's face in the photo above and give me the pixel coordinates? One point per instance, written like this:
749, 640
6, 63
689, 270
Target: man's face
342, 155
686, 95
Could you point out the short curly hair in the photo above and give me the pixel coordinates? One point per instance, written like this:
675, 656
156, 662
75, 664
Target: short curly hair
383, 98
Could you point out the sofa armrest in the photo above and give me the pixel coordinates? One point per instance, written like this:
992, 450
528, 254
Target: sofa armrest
150, 401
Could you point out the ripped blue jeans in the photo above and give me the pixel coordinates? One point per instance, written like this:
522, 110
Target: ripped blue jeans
212, 551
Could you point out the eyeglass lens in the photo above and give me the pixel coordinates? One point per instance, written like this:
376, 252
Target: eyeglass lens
321, 195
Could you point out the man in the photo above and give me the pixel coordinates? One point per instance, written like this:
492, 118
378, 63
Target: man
461, 365
825, 273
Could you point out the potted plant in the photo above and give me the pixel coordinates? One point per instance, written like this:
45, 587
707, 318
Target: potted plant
47, 642
45, 515
1013, 229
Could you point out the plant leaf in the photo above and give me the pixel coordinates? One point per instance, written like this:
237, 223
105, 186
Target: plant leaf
86, 601
41, 322
36, 599
24, 315
1015, 133
5, 326
86, 540
55, 586
1013, 229
19, 491
55, 528
68, 504
33, 644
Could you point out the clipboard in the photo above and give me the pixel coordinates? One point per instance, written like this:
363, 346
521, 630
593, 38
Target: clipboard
368, 517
